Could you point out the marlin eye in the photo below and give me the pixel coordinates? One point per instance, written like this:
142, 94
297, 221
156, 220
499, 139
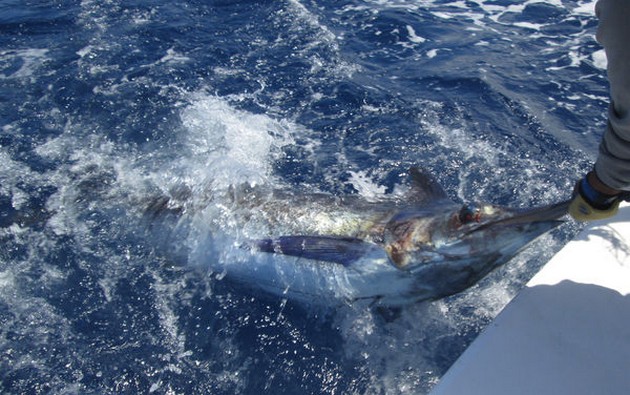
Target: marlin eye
469, 214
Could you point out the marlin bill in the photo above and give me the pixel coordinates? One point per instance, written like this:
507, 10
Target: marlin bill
325, 248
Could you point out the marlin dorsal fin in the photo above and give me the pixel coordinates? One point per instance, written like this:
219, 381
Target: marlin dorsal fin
424, 187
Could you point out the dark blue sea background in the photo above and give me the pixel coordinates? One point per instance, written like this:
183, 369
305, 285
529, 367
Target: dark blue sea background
105, 104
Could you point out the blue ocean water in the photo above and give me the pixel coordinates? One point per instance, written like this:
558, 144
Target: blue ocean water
106, 104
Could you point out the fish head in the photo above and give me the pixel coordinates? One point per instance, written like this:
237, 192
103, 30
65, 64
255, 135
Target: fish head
471, 238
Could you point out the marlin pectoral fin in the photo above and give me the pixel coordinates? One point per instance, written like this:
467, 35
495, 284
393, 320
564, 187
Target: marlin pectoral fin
342, 250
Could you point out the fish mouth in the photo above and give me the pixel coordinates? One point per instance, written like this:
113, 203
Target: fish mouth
550, 214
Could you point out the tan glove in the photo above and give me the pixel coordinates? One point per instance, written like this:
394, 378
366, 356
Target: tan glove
581, 210
589, 204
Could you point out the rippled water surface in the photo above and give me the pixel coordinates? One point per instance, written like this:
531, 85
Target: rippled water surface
105, 105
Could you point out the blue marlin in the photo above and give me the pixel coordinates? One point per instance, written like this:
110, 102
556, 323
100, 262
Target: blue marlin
417, 247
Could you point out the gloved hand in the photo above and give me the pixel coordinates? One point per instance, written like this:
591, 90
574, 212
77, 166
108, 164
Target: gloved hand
589, 204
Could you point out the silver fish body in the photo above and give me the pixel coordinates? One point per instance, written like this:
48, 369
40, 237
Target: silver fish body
322, 248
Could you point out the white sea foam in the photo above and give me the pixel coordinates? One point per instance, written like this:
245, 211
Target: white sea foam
6, 279
230, 146
30, 60
479, 10
173, 56
529, 25
365, 186
413, 37
306, 16
586, 7
320, 37
599, 59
